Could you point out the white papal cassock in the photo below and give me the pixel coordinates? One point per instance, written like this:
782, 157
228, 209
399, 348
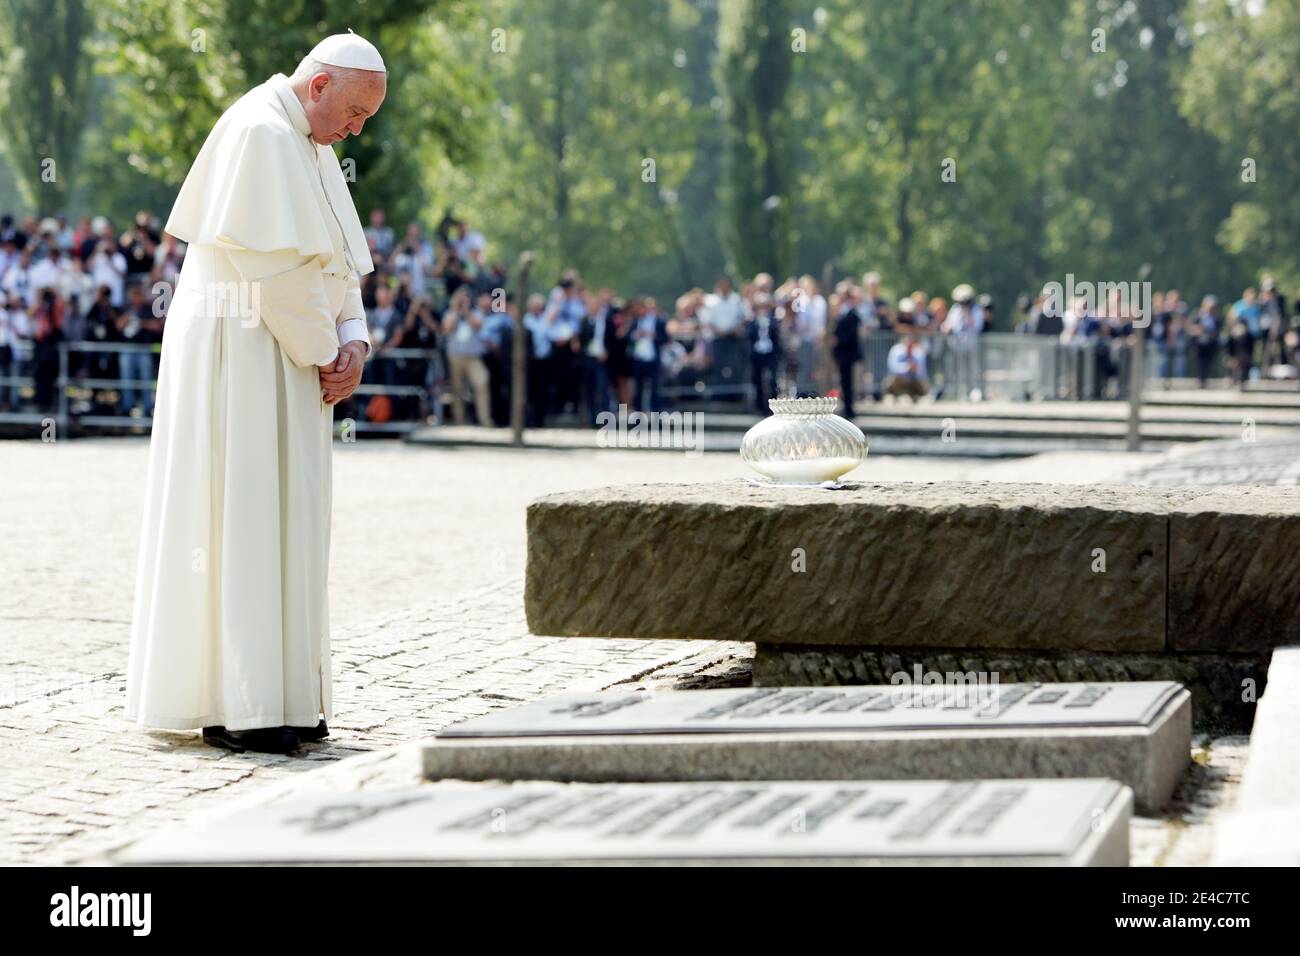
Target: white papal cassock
231, 620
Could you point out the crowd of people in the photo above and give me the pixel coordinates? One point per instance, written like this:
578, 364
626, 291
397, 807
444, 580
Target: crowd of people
83, 283
442, 320
1254, 337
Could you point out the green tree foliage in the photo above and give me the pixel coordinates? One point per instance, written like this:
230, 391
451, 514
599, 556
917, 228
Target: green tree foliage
755, 66
926, 125
1241, 87
1136, 184
44, 83
591, 139
995, 142
182, 62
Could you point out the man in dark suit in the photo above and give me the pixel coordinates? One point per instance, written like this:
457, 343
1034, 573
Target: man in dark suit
764, 332
595, 344
848, 346
649, 335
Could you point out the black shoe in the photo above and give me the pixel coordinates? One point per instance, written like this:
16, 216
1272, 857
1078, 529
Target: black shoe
309, 735
267, 740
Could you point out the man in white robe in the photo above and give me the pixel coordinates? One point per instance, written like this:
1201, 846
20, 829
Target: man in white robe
265, 333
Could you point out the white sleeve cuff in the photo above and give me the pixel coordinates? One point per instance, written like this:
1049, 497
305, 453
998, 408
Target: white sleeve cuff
354, 330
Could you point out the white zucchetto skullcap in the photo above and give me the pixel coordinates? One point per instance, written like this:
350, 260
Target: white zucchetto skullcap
349, 50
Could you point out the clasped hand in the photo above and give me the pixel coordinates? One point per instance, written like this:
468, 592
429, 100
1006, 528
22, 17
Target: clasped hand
341, 379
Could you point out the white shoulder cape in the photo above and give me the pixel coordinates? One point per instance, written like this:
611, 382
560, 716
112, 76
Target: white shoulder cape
253, 187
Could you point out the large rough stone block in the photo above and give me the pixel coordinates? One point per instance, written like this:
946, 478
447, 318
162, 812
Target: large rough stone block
933, 565
1234, 581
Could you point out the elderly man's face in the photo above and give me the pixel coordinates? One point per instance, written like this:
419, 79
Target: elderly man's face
337, 107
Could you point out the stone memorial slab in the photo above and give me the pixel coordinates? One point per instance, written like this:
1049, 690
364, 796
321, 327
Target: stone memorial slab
1010, 822
1138, 733
871, 564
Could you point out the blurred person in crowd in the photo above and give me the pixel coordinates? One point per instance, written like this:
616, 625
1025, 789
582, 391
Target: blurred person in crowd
449, 268
138, 246
1169, 332
905, 316
565, 311
846, 348
47, 333
985, 304
938, 309
379, 236
595, 343
1045, 316
10, 233
101, 329
49, 272
168, 260
1205, 329
137, 326
724, 318
397, 322
491, 278
649, 334
108, 268
922, 317
810, 316
384, 320
874, 307
908, 373
1273, 322
17, 281
77, 288
962, 327
424, 332
462, 332
764, 333
1240, 351
499, 336
8, 258
1247, 310
413, 259
539, 367
13, 335
469, 242
1112, 338
877, 319
621, 374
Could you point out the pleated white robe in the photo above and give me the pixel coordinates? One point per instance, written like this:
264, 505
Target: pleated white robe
231, 615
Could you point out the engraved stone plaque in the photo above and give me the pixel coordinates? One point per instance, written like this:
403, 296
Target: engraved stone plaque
1018, 822
1135, 732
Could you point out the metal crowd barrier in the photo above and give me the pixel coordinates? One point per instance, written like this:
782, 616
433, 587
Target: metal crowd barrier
997, 366
73, 389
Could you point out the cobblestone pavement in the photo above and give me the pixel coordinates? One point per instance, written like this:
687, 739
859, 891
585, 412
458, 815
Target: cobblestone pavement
426, 577
1273, 462
427, 562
